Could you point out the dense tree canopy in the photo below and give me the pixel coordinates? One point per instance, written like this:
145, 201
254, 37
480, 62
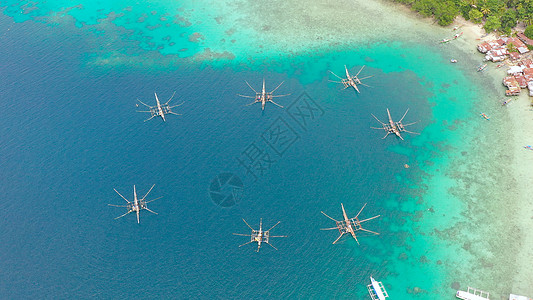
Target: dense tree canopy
501, 15
529, 31
492, 23
475, 16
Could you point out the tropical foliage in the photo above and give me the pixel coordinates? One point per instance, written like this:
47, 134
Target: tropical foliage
500, 15
529, 31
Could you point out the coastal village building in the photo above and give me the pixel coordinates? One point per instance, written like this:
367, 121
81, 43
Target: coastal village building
497, 50
520, 75
525, 39
514, 56
513, 87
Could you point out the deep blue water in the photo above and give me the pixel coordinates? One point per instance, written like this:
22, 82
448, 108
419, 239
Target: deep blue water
70, 134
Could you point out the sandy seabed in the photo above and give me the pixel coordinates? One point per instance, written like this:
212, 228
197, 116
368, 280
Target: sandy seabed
514, 211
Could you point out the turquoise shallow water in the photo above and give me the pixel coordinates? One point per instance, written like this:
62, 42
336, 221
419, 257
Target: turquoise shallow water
72, 135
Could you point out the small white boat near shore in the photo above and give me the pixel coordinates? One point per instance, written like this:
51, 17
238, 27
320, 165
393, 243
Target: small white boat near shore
472, 294
517, 297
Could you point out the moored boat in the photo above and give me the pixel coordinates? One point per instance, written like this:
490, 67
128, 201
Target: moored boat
518, 297
472, 294
377, 290
482, 67
484, 116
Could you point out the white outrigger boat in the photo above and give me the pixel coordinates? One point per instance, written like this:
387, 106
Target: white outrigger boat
377, 290
472, 294
475, 294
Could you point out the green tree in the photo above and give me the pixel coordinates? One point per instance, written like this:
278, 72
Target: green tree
509, 19
512, 3
528, 19
512, 48
424, 7
529, 31
446, 13
495, 6
521, 11
472, 3
485, 11
492, 23
475, 15
500, 15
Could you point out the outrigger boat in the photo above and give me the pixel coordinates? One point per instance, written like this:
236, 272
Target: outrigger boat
529, 147
484, 116
350, 226
482, 67
455, 36
351, 80
472, 294
518, 297
377, 290
505, 102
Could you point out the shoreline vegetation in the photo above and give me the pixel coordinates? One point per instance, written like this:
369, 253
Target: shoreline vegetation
488, 22
494, 15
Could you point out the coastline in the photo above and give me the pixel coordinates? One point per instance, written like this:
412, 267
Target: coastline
520, 122
523, 160
510, 215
